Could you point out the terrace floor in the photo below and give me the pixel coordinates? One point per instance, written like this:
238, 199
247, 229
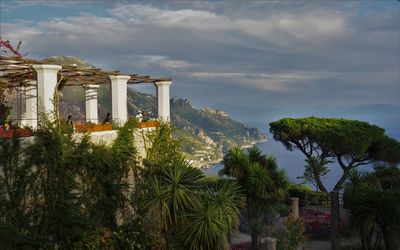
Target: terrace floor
310, 245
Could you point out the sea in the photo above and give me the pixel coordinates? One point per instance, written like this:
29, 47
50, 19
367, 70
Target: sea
292, 161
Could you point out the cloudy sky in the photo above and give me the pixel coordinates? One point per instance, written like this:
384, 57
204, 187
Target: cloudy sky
259, 60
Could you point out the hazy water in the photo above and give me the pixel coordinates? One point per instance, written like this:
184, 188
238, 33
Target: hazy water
292, 161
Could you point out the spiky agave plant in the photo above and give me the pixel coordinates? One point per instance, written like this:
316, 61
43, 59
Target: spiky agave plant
213, 217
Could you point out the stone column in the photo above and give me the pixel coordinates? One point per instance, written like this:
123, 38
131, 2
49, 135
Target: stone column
163, 105
294, 211
269, 242
20, 107
31, 104
46, 85
119, 98
91, 102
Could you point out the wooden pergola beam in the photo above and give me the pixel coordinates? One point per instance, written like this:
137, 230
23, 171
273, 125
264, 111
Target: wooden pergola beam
15, 71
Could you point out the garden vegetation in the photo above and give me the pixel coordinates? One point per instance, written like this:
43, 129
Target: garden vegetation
58, 192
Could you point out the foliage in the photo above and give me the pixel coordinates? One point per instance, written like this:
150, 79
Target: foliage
129, 235
180, 211
209, 181
108, 169
41, 201
4, 108
298, 190
211, 218
55, 188
316, 166
308, 197
161, 148
318, 223
101, 238
265, 186
293, 235
172, 193
351, 143
64, 193
373, 200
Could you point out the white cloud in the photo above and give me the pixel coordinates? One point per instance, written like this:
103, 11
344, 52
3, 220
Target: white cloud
8, 5
164, 62
282, 81
285, 76
320, 24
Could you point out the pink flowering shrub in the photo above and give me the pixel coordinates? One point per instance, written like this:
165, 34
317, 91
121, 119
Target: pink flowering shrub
7, 49
318, 223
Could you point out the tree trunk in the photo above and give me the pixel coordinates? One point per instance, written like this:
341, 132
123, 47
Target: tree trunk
319, 183
317, 179
335, 220
388, 238
363, 238
255, 240
342, 179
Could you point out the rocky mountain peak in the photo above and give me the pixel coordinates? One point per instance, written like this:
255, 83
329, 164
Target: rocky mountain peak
215, 111
181, 102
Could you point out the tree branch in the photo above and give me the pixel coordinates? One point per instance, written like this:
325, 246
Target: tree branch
341, 164
342, 179
318, 181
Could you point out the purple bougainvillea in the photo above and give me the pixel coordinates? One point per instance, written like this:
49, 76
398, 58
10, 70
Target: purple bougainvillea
7, 49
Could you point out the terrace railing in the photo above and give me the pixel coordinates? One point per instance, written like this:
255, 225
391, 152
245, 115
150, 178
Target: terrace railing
148, 124
80, 126
18, 132
90, 127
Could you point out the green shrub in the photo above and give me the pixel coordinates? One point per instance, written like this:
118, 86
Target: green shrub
292, 236
101, 238
209, 181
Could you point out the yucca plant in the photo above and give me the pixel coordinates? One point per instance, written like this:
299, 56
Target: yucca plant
171, 192
263, 183
213, 217
373, 200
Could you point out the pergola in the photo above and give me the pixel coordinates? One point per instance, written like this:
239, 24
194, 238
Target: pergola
40, 79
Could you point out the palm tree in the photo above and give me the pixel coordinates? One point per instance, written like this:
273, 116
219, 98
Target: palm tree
266, 187
236, 164
373, 200
172, 192
263, 183
213, 217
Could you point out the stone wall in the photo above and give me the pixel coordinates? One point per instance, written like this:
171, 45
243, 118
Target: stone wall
107, 137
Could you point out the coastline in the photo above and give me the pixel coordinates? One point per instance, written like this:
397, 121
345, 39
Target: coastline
220, 160
251, 144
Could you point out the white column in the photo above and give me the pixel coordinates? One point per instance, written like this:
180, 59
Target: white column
119, 98
294, 207
19, 111
46, 85
91, 102
163, 99
31, 114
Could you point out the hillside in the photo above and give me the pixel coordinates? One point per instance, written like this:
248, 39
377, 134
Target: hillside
206, 133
